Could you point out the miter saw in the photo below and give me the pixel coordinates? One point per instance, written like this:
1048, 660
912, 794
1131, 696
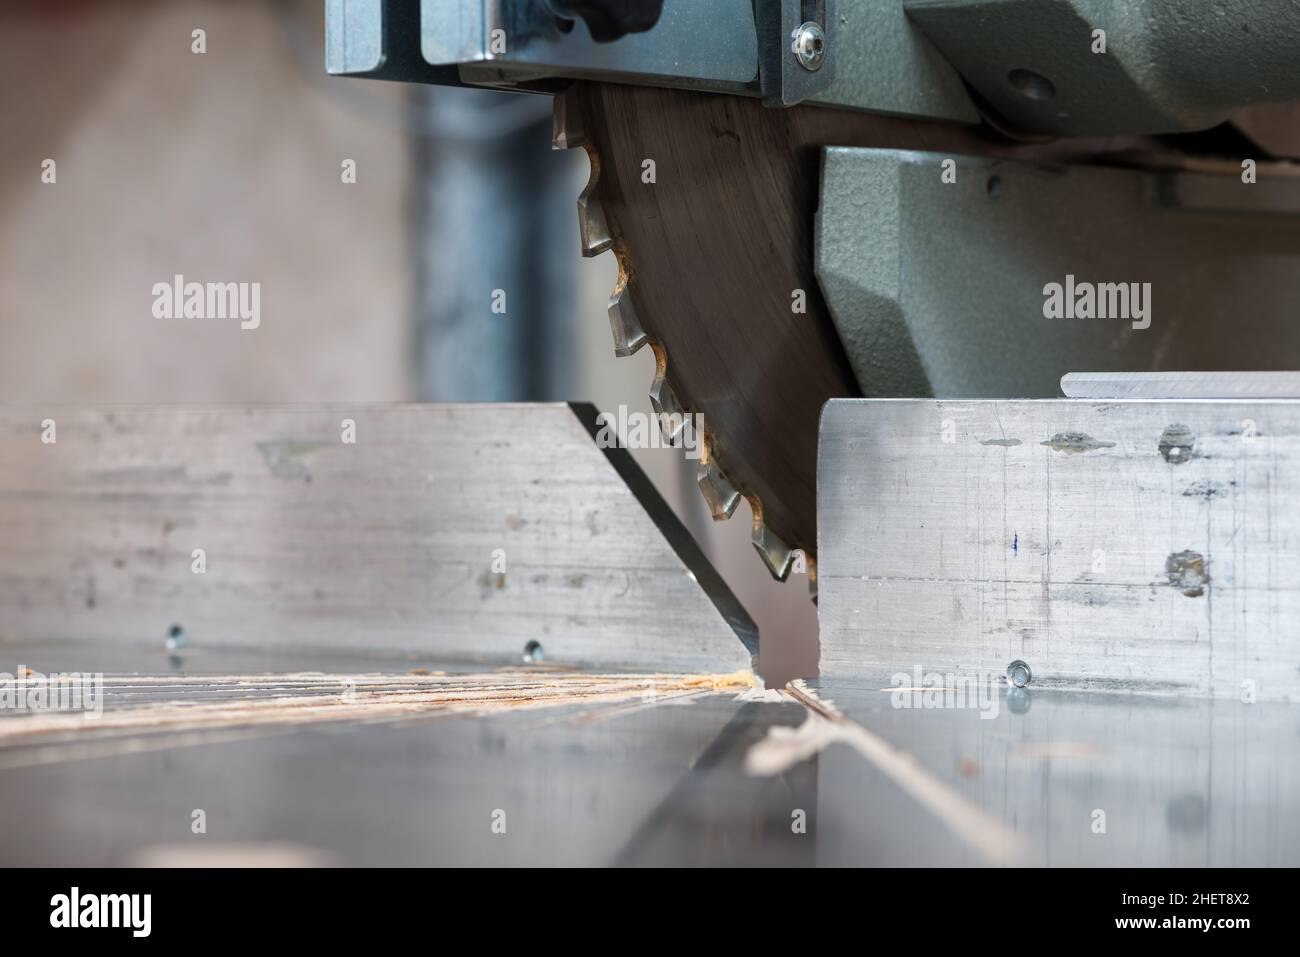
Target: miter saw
812, 199
869, 244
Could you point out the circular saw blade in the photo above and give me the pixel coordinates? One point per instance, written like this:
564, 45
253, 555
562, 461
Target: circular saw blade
709, 203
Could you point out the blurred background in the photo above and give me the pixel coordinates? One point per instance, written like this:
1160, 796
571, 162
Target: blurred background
227, 166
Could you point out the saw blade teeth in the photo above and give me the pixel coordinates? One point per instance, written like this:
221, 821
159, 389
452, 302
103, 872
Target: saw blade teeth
719, 493
591, 221
566, 134
664, 400
566, 122
629, 337
593, 230
776, 554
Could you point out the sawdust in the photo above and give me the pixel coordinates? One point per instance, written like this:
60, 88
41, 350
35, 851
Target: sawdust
736, 681
250, 700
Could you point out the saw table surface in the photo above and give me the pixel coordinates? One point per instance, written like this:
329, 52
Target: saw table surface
341, 760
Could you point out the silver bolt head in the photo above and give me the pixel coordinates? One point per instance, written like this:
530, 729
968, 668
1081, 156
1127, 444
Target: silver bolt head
1018, 673
808, 44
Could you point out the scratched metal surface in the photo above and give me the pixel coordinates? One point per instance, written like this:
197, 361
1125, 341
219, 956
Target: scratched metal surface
1079, 778
459, 531
1118, 545
1181, 385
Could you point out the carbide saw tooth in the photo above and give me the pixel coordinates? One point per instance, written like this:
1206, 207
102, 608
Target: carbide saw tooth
719, 493
776, 554
629, 337
593, 231
566, 122
591, 217
567, 133
664, 400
